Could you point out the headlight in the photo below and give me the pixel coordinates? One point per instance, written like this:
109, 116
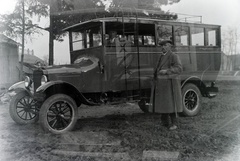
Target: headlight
27, 81
44, 79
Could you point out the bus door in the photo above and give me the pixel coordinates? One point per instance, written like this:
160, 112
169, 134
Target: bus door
121, 58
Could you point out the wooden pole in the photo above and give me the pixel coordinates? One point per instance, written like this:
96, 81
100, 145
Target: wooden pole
51, 38
23, 38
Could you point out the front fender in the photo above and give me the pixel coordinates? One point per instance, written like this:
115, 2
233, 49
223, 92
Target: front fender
54, 87
18, 87
45, 86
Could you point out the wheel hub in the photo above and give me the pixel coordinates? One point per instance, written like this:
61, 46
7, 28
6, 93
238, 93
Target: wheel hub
59, 115
27, 109
191, 101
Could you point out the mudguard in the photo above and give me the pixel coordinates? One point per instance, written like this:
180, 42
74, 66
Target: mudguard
41, 90
45, 86
18, 87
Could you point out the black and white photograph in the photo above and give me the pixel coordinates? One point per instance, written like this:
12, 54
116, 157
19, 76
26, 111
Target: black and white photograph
119, 80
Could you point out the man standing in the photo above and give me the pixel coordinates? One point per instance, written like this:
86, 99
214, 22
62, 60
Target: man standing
168, 97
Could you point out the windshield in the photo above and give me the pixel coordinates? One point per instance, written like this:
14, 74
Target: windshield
86, 38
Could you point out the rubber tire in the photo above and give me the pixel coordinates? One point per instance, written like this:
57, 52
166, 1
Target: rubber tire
13, 110
45, 108
191, 88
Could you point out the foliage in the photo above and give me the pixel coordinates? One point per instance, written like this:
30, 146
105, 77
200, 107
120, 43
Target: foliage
65, 13
143, 4
19, 23
12, 24
68, 12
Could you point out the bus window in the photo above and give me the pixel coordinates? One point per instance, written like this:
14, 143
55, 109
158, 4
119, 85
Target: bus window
112, 38
131, 39
78, 40
97, 39
164, 32
181, 35
197, 36
146, 35
149, 40
140, 40
211, 37
94, 37
146, 40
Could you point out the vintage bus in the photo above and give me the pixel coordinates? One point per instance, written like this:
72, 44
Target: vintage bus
112, 60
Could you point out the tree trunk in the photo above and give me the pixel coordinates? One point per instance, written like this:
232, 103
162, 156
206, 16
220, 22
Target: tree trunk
23, 40
51, 38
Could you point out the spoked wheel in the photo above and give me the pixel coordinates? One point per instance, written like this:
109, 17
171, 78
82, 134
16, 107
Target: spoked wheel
24, 109
58, 114
191, 100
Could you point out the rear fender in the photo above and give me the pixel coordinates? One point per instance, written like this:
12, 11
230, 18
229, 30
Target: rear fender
197, 81
193, 79
54, 87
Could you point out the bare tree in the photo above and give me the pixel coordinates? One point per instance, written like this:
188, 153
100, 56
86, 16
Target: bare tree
230, 39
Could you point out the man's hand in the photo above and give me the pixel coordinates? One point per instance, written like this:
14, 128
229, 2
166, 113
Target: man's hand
163, 72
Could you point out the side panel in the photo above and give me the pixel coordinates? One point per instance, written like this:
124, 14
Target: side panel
200, 62
203, 62
91, 81
126, 73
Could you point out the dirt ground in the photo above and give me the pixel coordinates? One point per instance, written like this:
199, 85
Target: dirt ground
123, 129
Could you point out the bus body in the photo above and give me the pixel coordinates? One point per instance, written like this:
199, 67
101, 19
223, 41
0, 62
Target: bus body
128, 63
112, 60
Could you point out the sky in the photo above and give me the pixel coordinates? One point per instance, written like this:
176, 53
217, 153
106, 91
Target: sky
7, 6
219, 12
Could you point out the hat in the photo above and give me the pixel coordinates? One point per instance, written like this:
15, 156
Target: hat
165, 42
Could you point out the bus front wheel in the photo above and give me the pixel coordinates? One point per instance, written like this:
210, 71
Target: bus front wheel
192, 100
58, 114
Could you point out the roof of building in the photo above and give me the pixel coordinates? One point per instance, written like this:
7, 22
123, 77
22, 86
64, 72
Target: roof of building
31, 59
5, 39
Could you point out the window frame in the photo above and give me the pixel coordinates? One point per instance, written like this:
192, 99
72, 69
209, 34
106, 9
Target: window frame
165, 24
216, 36
86, 44
203, 34
188, 35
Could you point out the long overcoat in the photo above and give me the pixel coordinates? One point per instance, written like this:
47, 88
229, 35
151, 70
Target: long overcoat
168, 95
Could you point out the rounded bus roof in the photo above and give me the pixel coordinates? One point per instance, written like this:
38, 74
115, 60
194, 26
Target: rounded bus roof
133, 20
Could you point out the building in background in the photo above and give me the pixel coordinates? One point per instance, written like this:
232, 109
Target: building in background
30, 61
230, 63
9, 62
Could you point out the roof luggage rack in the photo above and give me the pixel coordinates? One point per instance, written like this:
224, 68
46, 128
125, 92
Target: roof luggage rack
94, 13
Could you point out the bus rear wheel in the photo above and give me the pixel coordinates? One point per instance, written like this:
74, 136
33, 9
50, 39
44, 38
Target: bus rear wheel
192, 100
